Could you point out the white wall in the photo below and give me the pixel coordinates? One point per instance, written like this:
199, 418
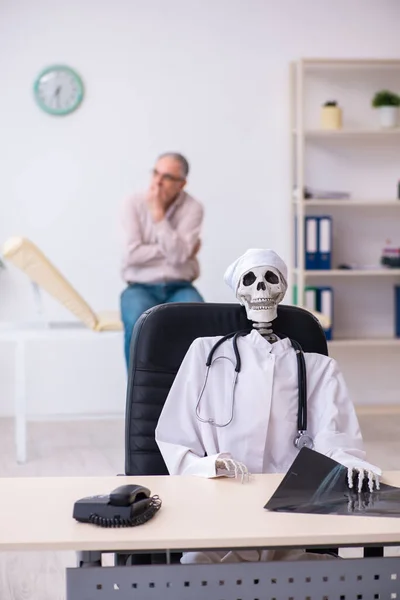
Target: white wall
206, 77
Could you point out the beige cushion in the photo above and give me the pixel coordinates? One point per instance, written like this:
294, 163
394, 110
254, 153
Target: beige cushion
23, 253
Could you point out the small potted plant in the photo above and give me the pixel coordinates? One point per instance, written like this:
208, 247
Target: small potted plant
388, 104
331, 115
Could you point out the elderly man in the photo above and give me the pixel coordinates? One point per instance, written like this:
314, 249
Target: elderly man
162, 239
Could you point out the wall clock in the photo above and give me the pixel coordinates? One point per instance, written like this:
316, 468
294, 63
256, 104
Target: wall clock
58, 90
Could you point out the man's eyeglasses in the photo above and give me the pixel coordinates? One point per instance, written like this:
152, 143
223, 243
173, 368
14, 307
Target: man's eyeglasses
166, 176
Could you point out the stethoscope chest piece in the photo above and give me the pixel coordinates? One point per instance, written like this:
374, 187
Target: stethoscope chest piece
303, 440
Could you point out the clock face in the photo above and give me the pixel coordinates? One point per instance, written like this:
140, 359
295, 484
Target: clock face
58, 90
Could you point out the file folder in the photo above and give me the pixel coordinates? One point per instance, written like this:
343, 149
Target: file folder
311, 243
397, 310
325, 306
324, 260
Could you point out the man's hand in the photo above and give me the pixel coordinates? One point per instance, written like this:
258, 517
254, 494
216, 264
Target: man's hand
156, 203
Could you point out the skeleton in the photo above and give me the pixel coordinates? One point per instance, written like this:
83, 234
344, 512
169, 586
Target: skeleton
260, 291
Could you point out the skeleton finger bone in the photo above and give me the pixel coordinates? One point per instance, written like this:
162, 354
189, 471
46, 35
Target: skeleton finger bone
360, 479
355, 474
373, 481
231, 468
350, 477
244, 472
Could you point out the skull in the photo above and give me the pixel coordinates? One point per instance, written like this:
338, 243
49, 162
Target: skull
260, 291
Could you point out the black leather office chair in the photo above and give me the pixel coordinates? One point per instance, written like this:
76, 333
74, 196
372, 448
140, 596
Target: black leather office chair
160, 340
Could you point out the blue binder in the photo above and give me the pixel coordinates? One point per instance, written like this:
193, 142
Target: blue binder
324, 260
311, 243
325, 306
397, 310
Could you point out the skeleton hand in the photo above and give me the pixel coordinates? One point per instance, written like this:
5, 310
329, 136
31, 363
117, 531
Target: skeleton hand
354, 473
227, 467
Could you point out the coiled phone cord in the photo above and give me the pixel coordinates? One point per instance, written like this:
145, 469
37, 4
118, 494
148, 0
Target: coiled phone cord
154, 506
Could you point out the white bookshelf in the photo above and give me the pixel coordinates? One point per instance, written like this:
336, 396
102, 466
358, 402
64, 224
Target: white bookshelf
373, 212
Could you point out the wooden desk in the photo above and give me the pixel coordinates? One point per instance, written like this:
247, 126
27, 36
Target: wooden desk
36, 514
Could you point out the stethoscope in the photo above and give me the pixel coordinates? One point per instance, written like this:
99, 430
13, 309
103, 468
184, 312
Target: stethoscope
302, 439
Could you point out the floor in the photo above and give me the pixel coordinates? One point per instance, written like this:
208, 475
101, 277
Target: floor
97, 448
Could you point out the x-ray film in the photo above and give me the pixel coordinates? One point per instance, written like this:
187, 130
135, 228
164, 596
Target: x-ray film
317, 484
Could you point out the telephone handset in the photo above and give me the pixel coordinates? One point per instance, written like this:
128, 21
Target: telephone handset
126, 506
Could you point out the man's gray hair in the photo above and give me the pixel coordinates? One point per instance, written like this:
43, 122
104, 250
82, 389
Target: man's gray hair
180, 159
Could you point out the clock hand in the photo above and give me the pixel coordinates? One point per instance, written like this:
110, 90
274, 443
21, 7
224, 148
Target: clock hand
57, 95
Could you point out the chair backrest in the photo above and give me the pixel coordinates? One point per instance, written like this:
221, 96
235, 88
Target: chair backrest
160, 340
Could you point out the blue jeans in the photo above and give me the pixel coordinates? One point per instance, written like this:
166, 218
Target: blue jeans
138, 297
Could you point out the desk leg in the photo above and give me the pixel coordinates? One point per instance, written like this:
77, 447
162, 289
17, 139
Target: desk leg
20, 401
89, 558
373, 552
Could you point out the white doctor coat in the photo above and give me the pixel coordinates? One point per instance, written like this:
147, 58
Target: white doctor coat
264, 419
265, 410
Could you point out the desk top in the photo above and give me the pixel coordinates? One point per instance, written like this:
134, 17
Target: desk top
36, 514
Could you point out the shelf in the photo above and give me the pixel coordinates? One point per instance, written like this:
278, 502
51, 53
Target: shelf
350, 62
321, 134
343, 343
351, 273
350, 203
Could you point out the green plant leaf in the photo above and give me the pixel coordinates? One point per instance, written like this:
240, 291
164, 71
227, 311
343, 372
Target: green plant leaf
385, 98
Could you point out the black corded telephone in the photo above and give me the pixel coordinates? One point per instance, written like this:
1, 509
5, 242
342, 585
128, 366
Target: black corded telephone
126, 506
